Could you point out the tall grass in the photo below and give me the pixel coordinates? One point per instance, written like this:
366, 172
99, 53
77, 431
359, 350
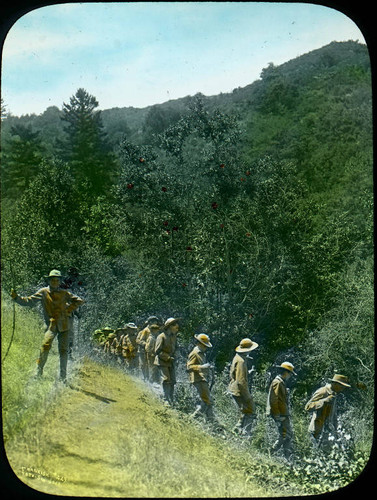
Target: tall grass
187, 448
24, 398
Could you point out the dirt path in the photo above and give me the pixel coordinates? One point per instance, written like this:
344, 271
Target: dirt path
109, 435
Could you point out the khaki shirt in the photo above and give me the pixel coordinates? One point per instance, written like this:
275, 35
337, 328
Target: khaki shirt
108, 345
150, 344
129, 346
324, 410
117, 345
277, 400
142, 338
166, 344
239, 384
56, 304
196, 358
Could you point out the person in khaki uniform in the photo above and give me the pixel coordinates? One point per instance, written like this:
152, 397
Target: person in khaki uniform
141, 341
108, 345
239, 386
117, 344
166, 345
199, 372
278, 409
150, 344
129, 346
322, 405
57, 306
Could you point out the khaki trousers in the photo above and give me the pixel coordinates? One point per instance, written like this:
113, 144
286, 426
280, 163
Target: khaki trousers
168, 382
63, 341
206, 405
285, 436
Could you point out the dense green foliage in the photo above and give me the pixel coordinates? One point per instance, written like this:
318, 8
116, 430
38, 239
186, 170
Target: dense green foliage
247, 214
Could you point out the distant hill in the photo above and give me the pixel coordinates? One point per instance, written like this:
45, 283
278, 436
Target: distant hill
138, 124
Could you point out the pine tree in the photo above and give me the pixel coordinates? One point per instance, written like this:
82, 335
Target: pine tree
20, 160
85, 147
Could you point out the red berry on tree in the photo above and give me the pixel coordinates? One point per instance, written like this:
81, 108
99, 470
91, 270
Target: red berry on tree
214, 205
130, 185
164, 189
165, 223
222, 165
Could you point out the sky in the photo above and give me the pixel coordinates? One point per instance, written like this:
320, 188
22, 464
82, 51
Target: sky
144, 53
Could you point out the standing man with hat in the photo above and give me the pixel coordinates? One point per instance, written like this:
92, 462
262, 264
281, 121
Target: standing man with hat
239, 386
199, 371
57, 306
108, 346
129, 346
150, 344
322, 404
278, 408
141, 341
166, 345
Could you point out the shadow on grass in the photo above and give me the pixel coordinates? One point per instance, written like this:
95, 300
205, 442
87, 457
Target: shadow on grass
93, 395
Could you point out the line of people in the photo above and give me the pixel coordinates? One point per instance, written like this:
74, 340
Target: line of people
153, 349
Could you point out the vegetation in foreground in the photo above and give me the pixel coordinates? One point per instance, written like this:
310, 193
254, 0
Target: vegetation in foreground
134, 437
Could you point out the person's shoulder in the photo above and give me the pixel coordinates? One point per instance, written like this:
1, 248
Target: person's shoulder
194, 351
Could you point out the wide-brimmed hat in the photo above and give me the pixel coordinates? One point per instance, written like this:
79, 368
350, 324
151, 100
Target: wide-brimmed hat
340, 379
153, 319
54, 274
286, 365
203, 339
170, 321
246, 345
131, 326
154, 327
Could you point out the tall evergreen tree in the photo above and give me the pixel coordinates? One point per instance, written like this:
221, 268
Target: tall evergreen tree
21, 160
85, 146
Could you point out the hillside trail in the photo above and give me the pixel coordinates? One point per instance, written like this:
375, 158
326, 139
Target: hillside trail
108, 434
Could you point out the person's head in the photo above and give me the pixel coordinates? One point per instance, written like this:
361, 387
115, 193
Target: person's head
287, 370
171, 325
54, 278
131, 328
154, 328
339, 383
245, 346
152, 320
203, 341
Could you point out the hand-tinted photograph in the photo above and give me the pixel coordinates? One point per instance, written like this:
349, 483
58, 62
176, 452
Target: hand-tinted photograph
186, 250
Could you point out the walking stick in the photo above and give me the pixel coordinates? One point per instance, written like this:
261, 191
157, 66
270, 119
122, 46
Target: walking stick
14, 316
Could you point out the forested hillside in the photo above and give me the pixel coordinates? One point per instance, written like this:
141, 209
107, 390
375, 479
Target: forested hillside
246, 214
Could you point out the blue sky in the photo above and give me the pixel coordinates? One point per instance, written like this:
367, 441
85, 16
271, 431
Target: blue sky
144, 53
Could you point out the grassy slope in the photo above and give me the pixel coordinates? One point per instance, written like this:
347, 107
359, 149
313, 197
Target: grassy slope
101, 438
108, 434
